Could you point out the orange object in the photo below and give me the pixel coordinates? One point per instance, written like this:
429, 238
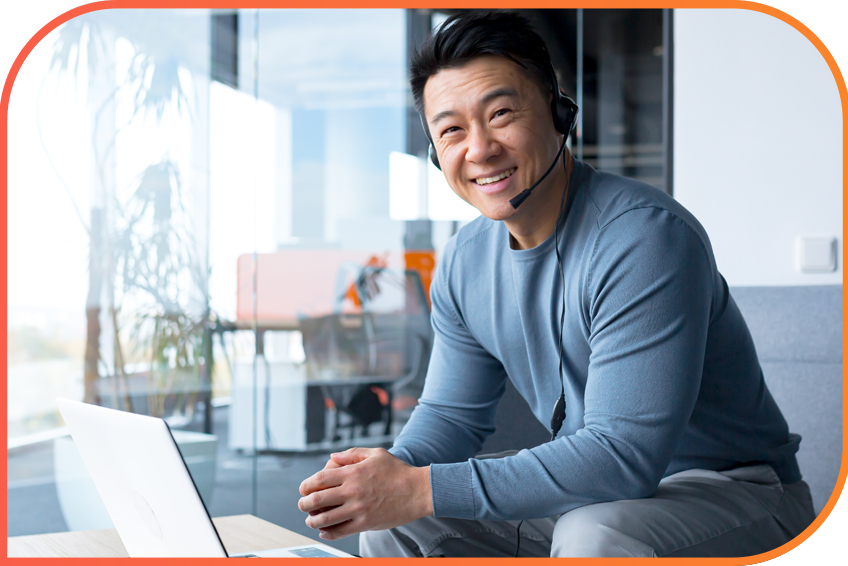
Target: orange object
381, 395
424, 263
352, 294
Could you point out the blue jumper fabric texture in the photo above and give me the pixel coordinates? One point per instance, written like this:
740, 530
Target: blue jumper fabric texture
660, 370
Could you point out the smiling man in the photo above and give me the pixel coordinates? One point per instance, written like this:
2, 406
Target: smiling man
594, 294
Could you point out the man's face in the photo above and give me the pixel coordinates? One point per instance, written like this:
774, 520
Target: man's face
492, 130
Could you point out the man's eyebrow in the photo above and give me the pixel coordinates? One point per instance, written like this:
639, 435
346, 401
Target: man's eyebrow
497, 93
442, 115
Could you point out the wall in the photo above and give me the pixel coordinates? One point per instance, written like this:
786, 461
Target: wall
757, 142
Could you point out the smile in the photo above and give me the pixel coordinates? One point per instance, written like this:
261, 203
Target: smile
490, 180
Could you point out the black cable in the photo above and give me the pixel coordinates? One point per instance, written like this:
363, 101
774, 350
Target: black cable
558, 415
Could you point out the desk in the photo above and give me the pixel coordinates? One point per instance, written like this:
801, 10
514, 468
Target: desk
239, 533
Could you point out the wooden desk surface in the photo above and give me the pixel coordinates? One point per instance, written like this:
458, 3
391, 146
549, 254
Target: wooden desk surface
239, 533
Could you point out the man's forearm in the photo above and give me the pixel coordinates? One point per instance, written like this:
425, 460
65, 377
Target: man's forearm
438, 433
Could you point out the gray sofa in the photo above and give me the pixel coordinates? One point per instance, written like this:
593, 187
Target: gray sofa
798, 335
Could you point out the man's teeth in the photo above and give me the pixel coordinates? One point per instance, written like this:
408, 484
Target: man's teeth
488, 180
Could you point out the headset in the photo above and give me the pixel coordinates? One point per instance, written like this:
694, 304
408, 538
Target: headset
564, 112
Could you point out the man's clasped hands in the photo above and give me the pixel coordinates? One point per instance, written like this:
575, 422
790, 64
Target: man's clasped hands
364, 489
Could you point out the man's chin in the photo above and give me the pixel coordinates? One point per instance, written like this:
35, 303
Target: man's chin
499, 212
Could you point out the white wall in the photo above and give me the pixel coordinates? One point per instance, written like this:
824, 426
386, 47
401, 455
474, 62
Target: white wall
757, 142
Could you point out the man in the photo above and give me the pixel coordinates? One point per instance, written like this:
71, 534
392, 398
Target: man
671, 445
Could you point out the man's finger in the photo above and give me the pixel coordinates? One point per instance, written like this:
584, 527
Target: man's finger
329, 518
322, 480
331, 497
331, 465
317, 511
340, 531
351, 456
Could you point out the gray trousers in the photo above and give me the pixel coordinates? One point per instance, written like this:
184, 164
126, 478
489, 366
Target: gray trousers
739, 512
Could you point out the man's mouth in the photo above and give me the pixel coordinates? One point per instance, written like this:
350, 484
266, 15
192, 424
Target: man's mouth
495, 179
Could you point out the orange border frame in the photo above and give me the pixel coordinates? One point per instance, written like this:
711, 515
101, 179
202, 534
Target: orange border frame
187, 4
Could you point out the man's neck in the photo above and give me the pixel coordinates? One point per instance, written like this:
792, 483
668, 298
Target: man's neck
538, 215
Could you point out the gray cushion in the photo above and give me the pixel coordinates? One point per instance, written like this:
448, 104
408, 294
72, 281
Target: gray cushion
794, 323
798, 335
810, 397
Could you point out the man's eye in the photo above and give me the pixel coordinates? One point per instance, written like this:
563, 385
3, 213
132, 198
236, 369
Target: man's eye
450, 130
500, 112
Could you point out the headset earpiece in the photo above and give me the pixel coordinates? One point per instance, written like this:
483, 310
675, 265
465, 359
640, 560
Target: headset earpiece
432, 150
563, 108
434, 158
564, 111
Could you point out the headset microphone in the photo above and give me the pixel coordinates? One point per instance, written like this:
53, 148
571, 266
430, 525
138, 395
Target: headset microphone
522, 196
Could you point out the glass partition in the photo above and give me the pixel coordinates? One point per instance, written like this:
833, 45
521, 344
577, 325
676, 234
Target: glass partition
623, 92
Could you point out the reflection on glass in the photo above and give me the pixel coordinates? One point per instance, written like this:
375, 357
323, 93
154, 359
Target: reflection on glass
128, 169
337, 82
108, 270
623, 93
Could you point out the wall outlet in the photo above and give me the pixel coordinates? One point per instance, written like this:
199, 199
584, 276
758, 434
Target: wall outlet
815, 254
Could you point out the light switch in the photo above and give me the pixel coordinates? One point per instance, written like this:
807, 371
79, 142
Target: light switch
815, 254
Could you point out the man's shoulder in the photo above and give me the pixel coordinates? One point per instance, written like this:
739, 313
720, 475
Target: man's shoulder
471, 238
612, 195
468, 255
476, 232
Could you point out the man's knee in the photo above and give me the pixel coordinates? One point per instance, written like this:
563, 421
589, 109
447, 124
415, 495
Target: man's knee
373, 543
594, 531
382, 544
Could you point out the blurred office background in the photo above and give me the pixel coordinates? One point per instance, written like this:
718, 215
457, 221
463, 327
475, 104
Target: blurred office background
212, 212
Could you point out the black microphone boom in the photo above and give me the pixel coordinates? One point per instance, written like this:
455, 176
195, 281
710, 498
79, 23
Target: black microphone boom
522, 196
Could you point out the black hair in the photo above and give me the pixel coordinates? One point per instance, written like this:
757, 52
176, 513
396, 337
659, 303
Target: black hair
470, 34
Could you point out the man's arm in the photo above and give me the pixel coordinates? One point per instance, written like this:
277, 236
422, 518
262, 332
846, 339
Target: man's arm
456, 411
650, 293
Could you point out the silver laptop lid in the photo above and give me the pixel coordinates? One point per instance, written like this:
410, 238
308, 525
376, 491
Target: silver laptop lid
143, 481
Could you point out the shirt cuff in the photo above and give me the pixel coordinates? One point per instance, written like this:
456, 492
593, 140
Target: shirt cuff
402, 453
451, 487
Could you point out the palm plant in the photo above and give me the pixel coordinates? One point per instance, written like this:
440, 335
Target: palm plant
142, 253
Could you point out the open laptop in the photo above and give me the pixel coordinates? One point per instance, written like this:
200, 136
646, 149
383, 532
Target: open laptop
147, 489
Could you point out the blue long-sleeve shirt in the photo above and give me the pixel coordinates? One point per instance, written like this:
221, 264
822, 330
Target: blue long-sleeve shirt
661, 374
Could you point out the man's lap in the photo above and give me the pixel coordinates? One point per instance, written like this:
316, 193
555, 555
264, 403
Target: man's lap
694, 513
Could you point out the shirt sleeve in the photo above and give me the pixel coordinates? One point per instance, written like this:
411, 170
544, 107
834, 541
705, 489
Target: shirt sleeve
648, 297
456, 411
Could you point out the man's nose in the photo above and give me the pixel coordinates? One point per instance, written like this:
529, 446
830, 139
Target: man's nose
481, 145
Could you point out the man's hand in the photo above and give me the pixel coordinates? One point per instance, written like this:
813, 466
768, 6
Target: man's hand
365, 489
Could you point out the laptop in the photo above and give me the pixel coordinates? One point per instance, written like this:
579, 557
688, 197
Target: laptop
147, 489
